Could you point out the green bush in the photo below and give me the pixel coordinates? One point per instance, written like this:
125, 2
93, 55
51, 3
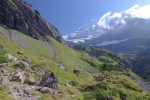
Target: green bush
3, 58
102, 85
106, 59
106, 67
103, 94
19, 65
89, 96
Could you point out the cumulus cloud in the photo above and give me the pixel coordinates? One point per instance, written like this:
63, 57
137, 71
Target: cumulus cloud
103, 21
116, 15
119, 17
139, 12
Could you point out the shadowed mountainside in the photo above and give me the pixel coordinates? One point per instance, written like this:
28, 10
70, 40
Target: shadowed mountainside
19, 15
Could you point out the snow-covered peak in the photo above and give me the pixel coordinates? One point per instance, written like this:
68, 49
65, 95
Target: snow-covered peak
85, 33
114, 27
120, 17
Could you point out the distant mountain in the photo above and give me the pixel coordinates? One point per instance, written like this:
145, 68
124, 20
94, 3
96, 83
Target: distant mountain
113, 30
87, 32
94, 35
131, 46
141, 63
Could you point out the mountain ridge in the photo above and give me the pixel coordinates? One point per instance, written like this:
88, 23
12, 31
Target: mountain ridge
20, 15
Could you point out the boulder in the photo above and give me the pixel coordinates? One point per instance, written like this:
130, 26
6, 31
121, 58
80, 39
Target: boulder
4, 65
27, 57
73, 83
11, 57
68, 85
18, 76
76, 72
4, 81
61, 66
46, 90
3, 70
30, 81
25, 64
49, 80
19, 52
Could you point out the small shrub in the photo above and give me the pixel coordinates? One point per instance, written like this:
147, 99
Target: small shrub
19, 65
106, 67
103, 94
106, 59
89, 96
102, 85
3, 58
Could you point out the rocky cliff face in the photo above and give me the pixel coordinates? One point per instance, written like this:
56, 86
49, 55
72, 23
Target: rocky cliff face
19, 15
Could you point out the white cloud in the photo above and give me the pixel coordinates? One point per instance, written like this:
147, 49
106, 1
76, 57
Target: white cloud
139, 12
116, 15
103, 20
132, 9
134, 12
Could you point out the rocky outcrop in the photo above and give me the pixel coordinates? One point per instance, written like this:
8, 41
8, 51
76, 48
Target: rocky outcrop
4, 81
19, 15
18, 76
76, 72
30, 81
49, 80
4, 65
11, 57
46, 90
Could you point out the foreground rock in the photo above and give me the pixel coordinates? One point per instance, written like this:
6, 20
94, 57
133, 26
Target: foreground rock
30, 81
18, 76
23, 92
11, 57
4, 65
45, 90
4, 81
49, 80
24, 64
76, 72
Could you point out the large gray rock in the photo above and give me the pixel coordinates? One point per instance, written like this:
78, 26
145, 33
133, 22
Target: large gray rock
24, 64
61, 66
76, 72
30, 81
18, 76
5, 81
49, 80
46, 90
19, 52
11, 57
4, 65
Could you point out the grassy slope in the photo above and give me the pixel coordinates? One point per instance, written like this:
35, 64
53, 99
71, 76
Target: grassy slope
55, 53
116, 86
36, 49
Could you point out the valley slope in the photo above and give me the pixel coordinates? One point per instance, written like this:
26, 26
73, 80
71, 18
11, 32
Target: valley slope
29, 61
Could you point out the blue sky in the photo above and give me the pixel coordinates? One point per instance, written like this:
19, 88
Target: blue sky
68, 15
